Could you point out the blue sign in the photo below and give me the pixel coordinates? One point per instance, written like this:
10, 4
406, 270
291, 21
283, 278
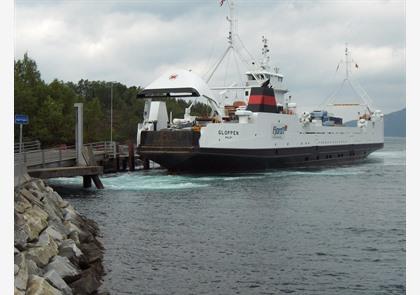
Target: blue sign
21, 119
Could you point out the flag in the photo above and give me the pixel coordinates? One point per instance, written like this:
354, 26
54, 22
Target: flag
337, 67
357, 66
221, 2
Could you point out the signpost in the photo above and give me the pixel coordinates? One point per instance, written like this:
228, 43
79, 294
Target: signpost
21, 120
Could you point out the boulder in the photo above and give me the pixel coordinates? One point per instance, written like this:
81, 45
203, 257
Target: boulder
35, 221
76, 233
70, 214
88, 283
37, 193
19, 292
64, 204
21, 204
71, 227
93, 251
53, 210
55, 234
75, 237
20, 237
33, 269
64, 268
39, 184
55, 197
56, 281
40, 286
30, 197
21, 277
69, 249
43, 250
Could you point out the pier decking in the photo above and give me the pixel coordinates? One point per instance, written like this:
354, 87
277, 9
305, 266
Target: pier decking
99, 157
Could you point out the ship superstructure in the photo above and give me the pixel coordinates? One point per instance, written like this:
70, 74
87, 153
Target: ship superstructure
262, 129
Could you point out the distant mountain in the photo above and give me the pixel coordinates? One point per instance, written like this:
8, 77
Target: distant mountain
394, 124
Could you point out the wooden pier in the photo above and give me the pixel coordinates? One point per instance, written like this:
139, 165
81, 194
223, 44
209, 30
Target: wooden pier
89, 173
61, 161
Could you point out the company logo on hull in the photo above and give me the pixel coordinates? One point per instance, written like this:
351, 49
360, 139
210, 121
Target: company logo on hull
278, 131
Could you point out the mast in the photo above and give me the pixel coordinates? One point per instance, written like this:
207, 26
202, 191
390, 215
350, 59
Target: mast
232, 32
233, 39
357, 88
348, 61
231, 19
265, 57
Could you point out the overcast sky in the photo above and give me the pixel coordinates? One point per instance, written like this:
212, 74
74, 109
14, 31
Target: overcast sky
133, 42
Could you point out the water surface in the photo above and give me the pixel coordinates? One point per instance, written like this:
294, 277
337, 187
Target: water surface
330, 230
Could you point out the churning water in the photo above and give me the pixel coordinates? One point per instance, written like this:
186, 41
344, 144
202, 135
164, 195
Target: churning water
331, 230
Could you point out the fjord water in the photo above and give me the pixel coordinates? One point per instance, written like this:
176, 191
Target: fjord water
330, 230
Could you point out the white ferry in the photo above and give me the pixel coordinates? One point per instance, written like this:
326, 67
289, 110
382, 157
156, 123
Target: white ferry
263, 130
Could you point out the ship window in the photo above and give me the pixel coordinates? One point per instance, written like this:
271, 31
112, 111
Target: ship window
250, 77
246, 93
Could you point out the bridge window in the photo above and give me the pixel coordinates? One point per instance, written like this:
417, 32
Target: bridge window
250, 77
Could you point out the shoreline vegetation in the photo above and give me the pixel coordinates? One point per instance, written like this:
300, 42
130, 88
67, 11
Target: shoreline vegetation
57, 251
50, 107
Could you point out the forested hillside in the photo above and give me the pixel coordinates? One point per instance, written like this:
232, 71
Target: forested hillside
50, 107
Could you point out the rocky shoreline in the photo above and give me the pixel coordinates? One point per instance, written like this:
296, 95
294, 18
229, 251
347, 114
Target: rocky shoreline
57, 251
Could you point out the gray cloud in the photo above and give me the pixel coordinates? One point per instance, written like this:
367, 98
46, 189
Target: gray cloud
135, 41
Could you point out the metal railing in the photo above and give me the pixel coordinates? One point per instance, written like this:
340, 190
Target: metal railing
46, 156
28, 146
35, 156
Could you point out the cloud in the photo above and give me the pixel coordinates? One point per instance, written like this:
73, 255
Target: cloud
135, 41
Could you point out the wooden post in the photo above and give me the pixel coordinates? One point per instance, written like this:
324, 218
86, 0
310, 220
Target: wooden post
87, 181
131, 156
146, 164
97, 182
117, 157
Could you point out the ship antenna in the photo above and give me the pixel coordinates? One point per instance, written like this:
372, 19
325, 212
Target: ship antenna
265, 56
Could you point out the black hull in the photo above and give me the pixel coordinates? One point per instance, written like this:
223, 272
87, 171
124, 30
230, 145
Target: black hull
197, 159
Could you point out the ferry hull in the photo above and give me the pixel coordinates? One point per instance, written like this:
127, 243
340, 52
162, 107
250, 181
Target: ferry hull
197, 159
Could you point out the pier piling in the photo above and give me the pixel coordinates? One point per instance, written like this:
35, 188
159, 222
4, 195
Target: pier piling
131, 156
87, 181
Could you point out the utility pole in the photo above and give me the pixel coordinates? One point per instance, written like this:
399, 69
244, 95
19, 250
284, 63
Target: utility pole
79, 132
112, 85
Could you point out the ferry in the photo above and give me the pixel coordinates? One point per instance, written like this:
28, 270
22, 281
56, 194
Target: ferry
261, 130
